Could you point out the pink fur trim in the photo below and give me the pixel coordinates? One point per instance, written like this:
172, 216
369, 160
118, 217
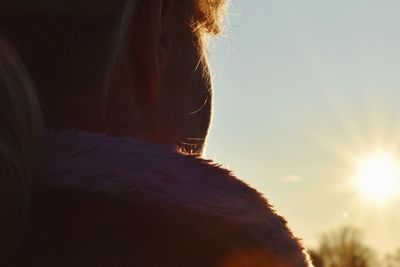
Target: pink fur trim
157, 174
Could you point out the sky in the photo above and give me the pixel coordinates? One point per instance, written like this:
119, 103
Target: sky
301, 88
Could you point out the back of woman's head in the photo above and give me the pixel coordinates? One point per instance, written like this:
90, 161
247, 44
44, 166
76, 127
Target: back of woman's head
20, 134
75, 47
132, 68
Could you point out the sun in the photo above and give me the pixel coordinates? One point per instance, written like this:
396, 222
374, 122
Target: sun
377, 176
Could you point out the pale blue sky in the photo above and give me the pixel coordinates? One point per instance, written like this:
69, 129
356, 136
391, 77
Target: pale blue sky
300, 85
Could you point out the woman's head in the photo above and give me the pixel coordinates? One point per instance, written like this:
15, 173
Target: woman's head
20, 134
132, 68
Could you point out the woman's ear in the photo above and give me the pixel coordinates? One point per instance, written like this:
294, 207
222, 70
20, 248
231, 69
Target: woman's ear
152, 43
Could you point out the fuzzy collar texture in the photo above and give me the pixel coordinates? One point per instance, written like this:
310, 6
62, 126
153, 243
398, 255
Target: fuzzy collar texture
157, 174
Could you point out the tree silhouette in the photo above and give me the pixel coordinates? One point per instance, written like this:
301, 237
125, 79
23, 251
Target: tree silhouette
343, 248
393, 260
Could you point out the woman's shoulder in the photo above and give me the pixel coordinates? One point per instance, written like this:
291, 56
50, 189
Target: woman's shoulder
149, 173
70, 227
80, 228
172, 190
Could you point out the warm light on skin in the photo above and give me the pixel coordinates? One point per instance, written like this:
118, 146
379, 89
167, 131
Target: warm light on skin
377, 176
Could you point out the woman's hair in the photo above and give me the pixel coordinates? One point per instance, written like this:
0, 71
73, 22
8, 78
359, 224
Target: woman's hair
21, 129
203, 16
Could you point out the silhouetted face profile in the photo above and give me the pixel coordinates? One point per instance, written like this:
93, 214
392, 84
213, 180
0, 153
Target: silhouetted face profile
134, 69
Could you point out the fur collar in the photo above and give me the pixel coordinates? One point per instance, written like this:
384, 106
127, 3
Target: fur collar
158, 174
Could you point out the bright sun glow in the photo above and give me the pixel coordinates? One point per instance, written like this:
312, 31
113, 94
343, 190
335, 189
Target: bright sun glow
377, 176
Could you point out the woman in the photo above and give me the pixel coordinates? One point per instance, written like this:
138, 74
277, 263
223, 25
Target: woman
125, 86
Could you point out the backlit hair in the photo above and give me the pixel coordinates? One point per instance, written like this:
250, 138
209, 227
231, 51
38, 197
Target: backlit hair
21, 128
204, 16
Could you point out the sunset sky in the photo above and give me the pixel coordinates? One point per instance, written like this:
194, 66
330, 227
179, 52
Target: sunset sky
303, 89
